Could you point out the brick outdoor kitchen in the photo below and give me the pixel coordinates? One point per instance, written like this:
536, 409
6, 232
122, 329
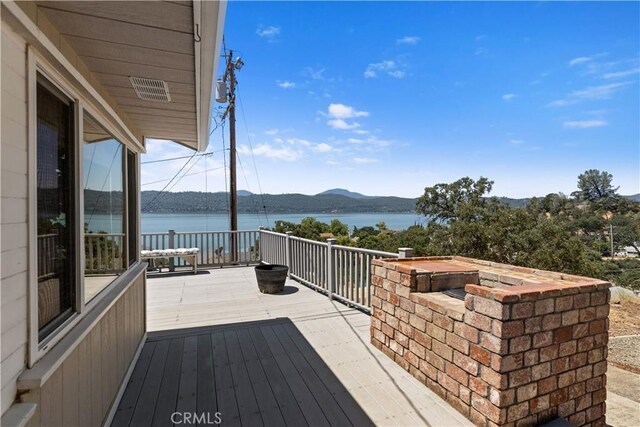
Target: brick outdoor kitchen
524, 346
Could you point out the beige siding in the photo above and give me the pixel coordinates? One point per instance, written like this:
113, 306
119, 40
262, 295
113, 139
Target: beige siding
14, 278
82, 389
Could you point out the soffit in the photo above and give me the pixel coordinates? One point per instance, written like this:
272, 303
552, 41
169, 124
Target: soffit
151, 39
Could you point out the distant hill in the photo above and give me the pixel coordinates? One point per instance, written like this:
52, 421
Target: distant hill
346, 193
199, 202
514, 203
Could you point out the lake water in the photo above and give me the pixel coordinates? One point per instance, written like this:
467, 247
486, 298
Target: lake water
155, 223
159, 223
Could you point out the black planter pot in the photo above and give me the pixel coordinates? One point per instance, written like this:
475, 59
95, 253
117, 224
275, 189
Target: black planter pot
271, 277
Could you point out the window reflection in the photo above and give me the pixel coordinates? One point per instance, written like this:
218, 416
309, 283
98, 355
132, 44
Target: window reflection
104, 208
55, 208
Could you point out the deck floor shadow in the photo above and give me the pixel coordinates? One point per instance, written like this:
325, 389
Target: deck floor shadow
242, 374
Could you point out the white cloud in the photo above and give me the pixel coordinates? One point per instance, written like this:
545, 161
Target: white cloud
338, 115
584, 124
286, 84
267, 150
481, 37
322, 148
299, 141
481, 51
509, 96
342, 111
389, 67
315, 74
356, 141
271, 131
589, 93
516, 141
397, 74
342, 124
332, 163
618, 74
364, 160
369, 74
412, 40
269, 32
580, 60
361, 132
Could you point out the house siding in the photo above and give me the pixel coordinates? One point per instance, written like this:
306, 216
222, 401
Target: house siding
82, 390
14, 195
83, 387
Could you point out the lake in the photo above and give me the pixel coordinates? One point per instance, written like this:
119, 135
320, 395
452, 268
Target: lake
154, 223
157, 223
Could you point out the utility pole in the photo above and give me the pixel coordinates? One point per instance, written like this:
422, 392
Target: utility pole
233, 190
230, 73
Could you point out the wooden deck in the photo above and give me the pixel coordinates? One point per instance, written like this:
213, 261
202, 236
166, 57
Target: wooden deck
219, 346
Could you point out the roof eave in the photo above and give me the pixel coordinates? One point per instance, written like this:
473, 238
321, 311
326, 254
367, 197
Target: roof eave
208, 18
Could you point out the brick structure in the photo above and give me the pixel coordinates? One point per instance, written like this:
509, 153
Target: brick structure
524, 347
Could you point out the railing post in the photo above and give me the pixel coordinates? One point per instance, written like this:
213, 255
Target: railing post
172, 235
405, 252
260, 243
287, 252
330, 271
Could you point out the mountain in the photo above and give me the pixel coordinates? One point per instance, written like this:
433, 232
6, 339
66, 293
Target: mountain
244, 193
199, 202
346, 193
634, 197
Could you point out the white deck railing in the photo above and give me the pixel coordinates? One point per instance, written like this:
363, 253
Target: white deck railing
217, 248
341, 272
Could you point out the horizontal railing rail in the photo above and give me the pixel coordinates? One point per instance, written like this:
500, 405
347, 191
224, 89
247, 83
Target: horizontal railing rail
216, 248
341, 272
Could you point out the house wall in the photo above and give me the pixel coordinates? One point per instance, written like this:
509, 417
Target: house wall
110, 339
81, 390
14, 275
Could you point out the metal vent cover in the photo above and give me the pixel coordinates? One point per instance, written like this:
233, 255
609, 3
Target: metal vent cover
151, 89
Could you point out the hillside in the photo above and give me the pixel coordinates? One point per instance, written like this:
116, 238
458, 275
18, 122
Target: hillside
326, 202
199, 202
344, 192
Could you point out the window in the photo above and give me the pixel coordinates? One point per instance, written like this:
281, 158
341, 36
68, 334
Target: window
56, 207
83, 207
104, 207
132, 205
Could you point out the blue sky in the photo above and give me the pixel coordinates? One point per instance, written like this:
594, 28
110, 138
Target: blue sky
387, 98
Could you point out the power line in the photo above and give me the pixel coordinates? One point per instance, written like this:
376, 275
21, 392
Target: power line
170, 181
253, 159
191, 174
247, 182
179, 158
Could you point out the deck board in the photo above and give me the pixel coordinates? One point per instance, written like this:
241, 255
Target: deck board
167, 400
216, 345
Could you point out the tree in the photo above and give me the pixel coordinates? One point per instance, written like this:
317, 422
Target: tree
594, 185
381, 226
338, 228
446, 202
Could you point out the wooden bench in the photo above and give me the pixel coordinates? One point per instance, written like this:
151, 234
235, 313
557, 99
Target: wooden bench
190, 255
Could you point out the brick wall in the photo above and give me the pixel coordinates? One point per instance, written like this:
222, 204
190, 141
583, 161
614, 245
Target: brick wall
527, 348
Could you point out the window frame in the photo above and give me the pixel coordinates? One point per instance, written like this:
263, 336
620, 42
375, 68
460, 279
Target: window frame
125, 203
39, 69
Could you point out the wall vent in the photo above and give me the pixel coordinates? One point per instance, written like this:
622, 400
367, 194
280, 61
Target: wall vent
151, 89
